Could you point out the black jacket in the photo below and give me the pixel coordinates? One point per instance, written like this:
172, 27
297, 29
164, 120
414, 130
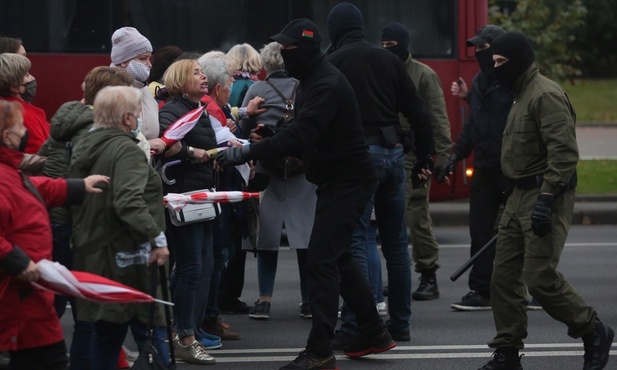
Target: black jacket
383, 89
489, 105
326, 130
188, 176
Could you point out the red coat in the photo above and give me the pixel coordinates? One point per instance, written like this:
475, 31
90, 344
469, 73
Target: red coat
35, 121
27, 315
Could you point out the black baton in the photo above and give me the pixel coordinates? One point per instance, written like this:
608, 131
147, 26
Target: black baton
457, 274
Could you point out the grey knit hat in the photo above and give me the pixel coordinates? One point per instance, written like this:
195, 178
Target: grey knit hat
127, 43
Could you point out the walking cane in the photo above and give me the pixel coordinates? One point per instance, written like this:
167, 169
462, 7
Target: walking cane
457, 274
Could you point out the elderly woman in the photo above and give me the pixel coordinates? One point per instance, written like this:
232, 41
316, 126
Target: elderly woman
72, 122
117, 234
288, 200
191, 243
16, 85
29, 326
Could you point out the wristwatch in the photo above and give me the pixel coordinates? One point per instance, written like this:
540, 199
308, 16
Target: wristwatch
190, 150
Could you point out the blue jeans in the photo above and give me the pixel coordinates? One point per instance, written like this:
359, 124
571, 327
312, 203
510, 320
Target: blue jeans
267, 263
389, 203
221, 245
190, 278
374, 264
110, 337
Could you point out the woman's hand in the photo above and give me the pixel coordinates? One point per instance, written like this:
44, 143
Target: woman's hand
92, 180
30, 274
252, 108
159, 255
200, 155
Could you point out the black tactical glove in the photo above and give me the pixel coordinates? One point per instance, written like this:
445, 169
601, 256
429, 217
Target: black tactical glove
233, 156
541, 215
425, 163
443, 171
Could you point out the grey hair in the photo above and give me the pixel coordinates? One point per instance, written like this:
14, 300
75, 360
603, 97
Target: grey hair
112, 102
216, 71
271, 57
13, 69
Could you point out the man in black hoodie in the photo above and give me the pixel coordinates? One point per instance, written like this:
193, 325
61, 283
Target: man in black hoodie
326, 132
383, 89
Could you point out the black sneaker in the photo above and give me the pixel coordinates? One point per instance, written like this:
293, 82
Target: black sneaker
597, 346
505, 358
305, 310
234, 307
428, 289
534, 304
367, 344
309, 360
399, 335
342, 340
261, 311
472, 301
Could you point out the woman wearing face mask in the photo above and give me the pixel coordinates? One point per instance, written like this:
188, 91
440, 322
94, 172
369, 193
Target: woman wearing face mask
118, 233
29, 327
132, 51
18, 85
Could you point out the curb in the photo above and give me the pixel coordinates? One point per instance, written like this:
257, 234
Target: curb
589, 209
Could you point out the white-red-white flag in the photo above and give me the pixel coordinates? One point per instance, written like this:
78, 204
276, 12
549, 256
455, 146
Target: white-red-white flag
178, 201
58, 279
182, 126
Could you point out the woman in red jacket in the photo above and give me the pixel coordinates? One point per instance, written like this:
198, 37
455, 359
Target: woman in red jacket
29, 327
18, 85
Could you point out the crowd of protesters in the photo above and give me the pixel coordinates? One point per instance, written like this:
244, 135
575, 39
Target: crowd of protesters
105, 156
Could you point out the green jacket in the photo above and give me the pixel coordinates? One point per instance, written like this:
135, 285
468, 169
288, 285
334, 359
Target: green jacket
429, 88
540, 137
128, 212
68, 125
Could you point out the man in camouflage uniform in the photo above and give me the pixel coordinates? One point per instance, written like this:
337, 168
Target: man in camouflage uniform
539, 154
425, 252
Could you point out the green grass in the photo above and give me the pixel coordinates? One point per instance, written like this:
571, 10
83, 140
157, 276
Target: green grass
593, 100
597, 177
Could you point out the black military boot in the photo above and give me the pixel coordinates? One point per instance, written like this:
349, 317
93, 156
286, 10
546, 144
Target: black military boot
504, 358
597, 346
428, 288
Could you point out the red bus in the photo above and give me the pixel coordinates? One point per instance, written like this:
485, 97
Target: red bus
65, 39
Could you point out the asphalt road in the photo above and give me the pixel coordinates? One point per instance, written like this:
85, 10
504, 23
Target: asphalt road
441, 338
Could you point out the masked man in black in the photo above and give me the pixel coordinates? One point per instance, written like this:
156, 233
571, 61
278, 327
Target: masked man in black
327, 134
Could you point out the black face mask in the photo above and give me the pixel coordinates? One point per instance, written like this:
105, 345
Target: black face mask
30, 92
507, 74
23, 142
400, 50
485, 59
299, 60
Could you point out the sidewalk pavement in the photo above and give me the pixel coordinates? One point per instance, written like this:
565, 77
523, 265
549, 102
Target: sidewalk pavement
589, 209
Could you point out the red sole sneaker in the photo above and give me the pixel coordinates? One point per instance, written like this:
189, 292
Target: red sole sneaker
370, 350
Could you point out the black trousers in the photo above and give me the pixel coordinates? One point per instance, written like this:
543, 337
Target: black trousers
331, 267
49, 357
485, 201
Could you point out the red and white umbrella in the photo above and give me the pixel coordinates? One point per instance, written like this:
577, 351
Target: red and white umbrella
178, 201
182, 126
58, 279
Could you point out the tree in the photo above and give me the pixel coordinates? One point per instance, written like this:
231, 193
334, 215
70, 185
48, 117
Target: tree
596, 42
550, 25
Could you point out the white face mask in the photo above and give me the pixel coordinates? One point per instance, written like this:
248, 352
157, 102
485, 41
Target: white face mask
136, 132
138, 71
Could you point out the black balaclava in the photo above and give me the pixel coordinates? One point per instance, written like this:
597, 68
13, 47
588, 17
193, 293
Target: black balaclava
399, 33
485, 59
517, 48
343, 18
304, 34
